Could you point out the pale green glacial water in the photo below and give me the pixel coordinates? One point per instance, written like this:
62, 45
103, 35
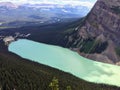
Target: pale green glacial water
68, 61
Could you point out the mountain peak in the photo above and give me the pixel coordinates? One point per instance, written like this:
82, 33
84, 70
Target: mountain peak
8, 4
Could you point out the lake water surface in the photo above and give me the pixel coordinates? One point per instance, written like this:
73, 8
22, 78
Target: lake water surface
68, 61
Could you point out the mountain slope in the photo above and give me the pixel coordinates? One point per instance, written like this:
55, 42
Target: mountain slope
98, 36
22, 74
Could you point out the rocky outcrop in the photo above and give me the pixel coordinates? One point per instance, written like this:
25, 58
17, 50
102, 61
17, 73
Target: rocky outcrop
101, 25
103, 19
98, 57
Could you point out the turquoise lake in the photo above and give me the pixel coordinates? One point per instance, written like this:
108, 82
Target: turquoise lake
68, 61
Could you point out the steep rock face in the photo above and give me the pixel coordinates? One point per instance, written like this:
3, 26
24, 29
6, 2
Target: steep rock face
104, 19
101, 25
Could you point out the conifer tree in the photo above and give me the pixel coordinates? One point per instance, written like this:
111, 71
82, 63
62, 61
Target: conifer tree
54, 84
69, 88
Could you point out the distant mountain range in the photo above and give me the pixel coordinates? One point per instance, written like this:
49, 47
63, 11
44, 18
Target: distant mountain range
11, 13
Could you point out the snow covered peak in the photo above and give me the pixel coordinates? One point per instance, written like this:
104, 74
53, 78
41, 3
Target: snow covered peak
8, 4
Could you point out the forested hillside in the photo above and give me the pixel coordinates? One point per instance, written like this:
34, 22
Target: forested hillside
20, 74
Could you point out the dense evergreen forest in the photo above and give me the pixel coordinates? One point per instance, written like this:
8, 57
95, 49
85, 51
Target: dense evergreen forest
20, 74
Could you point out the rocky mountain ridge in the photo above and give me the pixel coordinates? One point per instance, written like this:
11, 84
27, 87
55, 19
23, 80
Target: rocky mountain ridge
103, 19
99, 31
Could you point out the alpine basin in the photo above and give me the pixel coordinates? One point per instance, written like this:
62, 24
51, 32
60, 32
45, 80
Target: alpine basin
68, 61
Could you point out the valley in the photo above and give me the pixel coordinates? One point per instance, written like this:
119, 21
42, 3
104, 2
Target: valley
53, 34
65, 59
76, 44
